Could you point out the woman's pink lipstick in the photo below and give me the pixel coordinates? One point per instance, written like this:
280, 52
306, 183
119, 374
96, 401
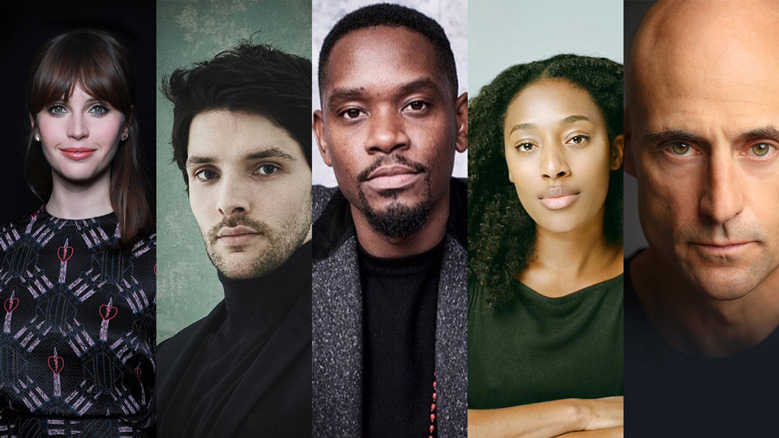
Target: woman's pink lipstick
77, 154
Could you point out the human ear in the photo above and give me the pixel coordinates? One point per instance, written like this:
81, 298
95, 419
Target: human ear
35, 131
319, 133
126, 130
617, 152
461, 109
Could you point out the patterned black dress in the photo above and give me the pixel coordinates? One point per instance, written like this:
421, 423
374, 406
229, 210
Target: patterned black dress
78, 330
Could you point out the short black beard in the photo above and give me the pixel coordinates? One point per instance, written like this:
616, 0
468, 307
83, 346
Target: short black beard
398, 221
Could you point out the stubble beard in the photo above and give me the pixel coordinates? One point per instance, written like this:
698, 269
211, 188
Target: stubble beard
279, 246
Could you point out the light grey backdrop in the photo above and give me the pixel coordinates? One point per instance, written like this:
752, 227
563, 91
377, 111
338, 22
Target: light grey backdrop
187, 32
452, 15
503, 33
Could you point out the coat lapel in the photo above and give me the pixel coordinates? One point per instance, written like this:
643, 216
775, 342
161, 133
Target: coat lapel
451, 350
337, 344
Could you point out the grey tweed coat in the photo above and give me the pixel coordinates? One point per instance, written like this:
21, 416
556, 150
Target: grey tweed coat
337, 320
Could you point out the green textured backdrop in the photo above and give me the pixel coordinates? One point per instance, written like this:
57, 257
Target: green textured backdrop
187, 32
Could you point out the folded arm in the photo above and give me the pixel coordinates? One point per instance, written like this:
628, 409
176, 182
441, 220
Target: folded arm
549, 419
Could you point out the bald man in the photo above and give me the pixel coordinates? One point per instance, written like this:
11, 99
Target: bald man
702, 141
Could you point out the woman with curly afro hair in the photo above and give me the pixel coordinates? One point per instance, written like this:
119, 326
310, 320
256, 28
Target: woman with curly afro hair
546, 259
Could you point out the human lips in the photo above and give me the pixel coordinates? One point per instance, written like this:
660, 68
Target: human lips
721, 249
77, 153
235, 236
392, 176
558, 197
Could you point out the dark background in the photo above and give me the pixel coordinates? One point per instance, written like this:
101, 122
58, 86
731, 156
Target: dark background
23, 29
634, 237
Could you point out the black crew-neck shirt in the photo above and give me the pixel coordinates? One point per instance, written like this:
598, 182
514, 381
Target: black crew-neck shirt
672, 394
399, 304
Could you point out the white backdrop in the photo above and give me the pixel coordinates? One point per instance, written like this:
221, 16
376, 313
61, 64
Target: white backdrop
452, 15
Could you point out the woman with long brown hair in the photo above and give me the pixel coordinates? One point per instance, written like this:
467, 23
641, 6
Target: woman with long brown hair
77, 277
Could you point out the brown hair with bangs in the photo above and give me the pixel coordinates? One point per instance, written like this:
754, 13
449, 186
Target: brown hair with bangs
103, 68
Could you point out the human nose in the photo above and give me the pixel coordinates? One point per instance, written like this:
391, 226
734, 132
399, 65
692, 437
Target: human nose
554, 164
77, 126
722, 198
387, 132
233, 197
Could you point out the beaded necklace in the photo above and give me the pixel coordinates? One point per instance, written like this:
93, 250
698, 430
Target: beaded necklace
433, 433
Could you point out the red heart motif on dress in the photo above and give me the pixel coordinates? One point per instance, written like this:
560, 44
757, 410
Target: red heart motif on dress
10, 304
56, 364
155, 269
65, 253
138, 373
108, 313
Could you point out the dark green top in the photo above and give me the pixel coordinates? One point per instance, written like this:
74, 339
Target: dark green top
537, 348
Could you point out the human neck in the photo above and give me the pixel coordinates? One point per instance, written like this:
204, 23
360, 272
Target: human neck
566, 262
281, 285
378, 245
74, 200
696, 324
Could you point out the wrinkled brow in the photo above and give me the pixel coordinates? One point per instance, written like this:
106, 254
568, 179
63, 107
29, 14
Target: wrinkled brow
762, 132
672, 134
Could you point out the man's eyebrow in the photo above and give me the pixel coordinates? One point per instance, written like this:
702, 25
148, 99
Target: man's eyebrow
419, 84
197, 159
672, 134
342, 94
565, 121
272, 153
267, 153
762, 132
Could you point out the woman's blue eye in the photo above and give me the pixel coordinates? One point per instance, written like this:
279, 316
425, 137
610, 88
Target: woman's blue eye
57, 110
99, 110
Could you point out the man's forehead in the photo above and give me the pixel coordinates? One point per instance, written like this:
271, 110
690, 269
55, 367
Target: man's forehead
236, 136
707, 111
370, 57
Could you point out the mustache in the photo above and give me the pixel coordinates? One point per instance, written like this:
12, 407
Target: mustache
234, 221
390, 159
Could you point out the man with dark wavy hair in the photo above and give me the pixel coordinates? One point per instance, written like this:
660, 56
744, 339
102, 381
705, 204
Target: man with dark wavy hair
240, 123
390, 254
